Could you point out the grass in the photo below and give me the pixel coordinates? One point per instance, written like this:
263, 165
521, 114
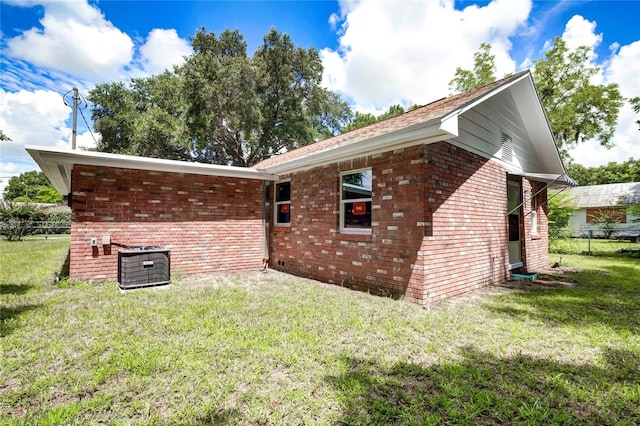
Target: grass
273, 349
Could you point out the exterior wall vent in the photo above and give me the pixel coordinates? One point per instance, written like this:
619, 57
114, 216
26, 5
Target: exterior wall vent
506, 147
143, 267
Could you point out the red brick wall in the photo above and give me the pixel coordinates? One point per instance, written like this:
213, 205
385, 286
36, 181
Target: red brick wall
209, 223
536, 252
439, 225
466, 207
382, 262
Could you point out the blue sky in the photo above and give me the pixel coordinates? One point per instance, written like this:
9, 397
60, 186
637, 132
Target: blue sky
375, 53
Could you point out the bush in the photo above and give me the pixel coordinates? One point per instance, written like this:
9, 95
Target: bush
18, 220
560, 211
58, 222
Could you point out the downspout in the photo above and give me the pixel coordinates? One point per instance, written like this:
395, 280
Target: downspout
266, 219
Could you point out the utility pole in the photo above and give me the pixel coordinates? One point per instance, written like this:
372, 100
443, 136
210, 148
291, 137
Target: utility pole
74, 130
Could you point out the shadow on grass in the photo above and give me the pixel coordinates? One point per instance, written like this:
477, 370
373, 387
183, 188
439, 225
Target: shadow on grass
609, 297
220, 417
14, 289
64, 269
8, 317
484, 389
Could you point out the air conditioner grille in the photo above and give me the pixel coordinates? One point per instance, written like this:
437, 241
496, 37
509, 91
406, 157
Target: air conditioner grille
143, 266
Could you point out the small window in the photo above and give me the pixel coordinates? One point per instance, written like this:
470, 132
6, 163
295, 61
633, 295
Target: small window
283, 203
355, 202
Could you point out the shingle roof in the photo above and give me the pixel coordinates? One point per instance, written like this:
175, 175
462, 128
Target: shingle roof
610, 195
430, 112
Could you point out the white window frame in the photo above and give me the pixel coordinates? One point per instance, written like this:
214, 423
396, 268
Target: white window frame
277, 204
534, 215
354, 231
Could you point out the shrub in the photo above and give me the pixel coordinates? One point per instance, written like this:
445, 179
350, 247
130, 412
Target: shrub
18, 220
606, 221
58, 222
560, 211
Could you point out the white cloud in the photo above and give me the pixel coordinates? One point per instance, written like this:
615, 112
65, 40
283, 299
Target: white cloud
581, 32
32, 118
624, 69
74, 38
86, 141
162, 50
407, 52
74, 46
29, 118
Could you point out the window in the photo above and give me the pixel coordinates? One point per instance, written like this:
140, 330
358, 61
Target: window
283, 203
607, 215
355, 202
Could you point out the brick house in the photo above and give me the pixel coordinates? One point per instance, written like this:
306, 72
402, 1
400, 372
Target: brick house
430, 204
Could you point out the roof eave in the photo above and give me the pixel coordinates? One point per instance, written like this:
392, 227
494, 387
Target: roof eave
57, 165
423, 133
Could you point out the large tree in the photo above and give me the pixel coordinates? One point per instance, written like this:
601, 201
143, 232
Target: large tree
577, 109
31, 186
143, 117
484, 71
222, 106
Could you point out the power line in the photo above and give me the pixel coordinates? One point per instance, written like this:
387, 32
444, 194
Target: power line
88, 127
77, 96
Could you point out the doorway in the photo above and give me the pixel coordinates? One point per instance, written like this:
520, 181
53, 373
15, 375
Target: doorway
514, 206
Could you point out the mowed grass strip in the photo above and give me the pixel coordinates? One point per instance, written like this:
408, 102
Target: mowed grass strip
269, 348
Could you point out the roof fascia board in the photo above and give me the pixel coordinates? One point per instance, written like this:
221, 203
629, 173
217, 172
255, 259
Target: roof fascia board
547, 124
70, 158
391, 141
486, 96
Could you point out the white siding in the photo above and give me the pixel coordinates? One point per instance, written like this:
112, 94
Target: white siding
481, 128
578, 219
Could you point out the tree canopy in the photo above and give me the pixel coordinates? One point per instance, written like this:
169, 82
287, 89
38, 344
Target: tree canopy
222, 106
484, 71
31, 186
365, 119
628, 171
635, 104
577, 109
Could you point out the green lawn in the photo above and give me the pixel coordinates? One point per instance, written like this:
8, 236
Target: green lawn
273, 349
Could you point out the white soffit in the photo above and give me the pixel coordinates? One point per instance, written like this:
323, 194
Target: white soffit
537, 126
